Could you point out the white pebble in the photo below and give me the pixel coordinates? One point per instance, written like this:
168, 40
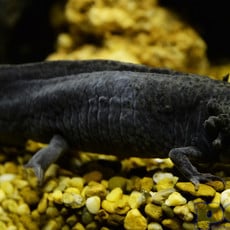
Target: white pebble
7, 177
154, 226
158, 176
136, 199
115, 195
225, 198
175, 199
93, 204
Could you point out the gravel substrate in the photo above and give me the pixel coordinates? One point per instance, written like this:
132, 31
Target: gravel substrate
134, 197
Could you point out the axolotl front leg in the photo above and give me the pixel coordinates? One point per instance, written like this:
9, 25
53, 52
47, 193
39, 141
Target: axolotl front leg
47, 155
181, 159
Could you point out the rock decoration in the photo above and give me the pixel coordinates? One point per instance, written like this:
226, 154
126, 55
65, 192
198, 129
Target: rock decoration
122, 30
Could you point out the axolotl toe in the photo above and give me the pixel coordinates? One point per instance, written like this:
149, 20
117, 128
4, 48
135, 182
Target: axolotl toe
117, 108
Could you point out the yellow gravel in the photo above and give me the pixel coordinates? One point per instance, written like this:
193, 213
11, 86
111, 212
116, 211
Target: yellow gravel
153, 199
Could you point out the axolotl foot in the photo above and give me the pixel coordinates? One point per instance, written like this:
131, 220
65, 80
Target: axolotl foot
204, 178
180, 157
46, 156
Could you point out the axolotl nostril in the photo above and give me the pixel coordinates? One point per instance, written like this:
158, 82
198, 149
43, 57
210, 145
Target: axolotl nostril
117, 108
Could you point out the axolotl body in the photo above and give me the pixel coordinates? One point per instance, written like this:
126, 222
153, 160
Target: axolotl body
115, 108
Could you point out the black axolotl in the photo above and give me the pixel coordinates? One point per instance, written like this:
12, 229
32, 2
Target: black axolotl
117, 108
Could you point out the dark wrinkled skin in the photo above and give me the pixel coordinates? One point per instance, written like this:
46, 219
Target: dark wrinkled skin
116, 108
